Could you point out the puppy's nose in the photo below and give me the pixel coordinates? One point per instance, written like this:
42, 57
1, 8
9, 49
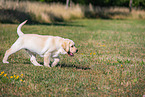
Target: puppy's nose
76, 50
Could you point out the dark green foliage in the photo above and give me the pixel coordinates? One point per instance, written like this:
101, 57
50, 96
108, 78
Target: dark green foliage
136, 3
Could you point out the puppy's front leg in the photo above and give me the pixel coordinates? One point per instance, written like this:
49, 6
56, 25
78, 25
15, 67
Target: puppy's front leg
47, 56
56, 60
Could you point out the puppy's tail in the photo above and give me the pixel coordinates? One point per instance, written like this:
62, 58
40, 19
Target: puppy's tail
19, 32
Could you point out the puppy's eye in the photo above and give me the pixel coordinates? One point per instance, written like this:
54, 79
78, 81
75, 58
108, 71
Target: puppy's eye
72, 46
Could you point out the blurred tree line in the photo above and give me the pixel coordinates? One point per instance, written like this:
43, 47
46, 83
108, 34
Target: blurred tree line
102, 3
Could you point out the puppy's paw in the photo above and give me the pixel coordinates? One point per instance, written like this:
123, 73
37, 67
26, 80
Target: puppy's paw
4, 61
39, 65
47, 66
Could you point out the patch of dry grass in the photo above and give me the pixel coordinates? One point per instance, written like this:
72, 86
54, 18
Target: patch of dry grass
43, 12
15, 12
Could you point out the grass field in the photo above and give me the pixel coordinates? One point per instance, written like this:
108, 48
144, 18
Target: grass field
110, 61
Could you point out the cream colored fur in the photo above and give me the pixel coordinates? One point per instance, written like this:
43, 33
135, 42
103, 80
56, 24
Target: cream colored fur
43, 45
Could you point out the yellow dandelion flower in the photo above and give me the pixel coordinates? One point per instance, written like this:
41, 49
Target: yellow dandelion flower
5, 75
121, 65
17, 77
94, 53
14, 76
11, 76
21, 75
2, 72
103, 45
21, 80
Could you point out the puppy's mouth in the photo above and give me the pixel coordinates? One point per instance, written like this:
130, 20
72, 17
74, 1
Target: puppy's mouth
70, 54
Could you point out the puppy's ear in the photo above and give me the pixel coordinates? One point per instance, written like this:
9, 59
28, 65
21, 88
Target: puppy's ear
65, 46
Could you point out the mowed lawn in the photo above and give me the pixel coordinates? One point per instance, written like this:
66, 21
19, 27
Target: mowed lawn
110, 61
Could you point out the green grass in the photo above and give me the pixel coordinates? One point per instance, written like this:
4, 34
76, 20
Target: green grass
110, 61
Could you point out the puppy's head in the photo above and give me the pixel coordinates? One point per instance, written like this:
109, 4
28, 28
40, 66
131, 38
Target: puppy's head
69, 46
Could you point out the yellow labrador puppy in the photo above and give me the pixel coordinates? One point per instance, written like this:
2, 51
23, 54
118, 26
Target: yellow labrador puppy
43, 45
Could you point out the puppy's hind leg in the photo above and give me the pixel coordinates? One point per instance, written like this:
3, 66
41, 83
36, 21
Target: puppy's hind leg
14, 48
33, 58
56, 60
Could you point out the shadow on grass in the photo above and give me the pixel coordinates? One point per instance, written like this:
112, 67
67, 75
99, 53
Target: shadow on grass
73, 66
64, 65
105, 15
60, 24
